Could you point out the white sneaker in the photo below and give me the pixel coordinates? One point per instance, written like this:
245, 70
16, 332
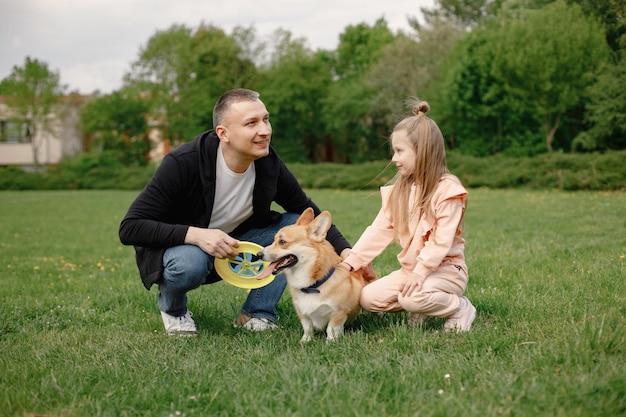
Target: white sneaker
256, 324
183, 325
462, 320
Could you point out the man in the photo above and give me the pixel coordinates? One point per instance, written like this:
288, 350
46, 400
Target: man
205, 197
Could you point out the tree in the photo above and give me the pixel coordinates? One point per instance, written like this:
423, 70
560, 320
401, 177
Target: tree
473, 13
360, 46
347, 112
612, 14
475, 113
545, 60
469, 13
520, 76
294, 85
219, 64
162, 71
606, 110
117, 123
410, 66
184, 72
33, 92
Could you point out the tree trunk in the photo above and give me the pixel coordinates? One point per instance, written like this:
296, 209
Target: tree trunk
35, 145
550, 131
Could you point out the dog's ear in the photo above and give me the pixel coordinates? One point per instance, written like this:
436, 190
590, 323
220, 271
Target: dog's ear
306, 217
319, 226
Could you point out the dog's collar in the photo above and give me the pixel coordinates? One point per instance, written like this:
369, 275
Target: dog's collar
313, 288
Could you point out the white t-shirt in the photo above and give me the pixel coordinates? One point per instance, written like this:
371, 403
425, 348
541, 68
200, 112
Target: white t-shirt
233, 196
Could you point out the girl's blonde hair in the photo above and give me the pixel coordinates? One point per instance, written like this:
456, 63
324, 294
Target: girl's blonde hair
430, 165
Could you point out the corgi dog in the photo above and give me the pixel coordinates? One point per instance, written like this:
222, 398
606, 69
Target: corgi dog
324, 294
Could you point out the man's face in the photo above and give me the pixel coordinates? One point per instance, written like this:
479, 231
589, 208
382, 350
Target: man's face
246, 131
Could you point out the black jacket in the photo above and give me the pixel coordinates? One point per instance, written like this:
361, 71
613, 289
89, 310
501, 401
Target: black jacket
181, 194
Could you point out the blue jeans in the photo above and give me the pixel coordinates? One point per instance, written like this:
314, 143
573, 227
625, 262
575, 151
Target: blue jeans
186, 267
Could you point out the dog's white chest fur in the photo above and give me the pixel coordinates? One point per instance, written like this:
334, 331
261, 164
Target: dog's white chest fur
312, 309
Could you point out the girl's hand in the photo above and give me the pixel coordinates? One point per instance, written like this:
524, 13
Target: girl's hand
414, 283
368, 273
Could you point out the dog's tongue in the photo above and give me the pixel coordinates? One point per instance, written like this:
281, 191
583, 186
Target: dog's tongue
267, 271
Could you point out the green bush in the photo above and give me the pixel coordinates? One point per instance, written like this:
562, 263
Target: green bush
101, 171
14, 178
563, 171
599, 171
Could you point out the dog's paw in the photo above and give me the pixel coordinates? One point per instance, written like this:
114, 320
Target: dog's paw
333, 336
306, 338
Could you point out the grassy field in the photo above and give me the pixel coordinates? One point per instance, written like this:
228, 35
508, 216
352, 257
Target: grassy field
80, 336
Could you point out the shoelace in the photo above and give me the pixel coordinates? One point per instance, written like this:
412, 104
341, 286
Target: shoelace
185, 319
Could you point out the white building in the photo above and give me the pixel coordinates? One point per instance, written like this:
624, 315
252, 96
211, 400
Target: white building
61, 139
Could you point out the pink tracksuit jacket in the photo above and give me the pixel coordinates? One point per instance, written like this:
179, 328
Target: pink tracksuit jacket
436, 257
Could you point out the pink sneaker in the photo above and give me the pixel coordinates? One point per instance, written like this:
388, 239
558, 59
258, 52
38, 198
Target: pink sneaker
462, 320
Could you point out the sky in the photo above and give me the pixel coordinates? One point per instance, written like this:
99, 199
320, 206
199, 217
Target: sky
91, 43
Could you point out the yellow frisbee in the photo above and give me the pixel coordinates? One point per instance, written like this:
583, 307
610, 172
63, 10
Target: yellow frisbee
243, 270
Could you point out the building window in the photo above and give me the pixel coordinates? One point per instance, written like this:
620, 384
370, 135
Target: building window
15, 132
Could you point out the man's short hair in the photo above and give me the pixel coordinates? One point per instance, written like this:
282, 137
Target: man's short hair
227, 99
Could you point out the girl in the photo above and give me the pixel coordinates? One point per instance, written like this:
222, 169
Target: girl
422, 209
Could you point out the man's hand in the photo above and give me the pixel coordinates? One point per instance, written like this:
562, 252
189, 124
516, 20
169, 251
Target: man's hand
212, 241
414, 283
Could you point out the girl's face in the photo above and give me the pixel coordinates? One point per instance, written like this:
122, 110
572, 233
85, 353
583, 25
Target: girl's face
403, 153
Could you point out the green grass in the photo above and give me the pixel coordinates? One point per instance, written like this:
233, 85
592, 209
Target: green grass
79, 336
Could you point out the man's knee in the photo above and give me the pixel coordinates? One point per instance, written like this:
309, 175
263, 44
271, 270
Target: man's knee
289, 218
266, 235
185, 267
